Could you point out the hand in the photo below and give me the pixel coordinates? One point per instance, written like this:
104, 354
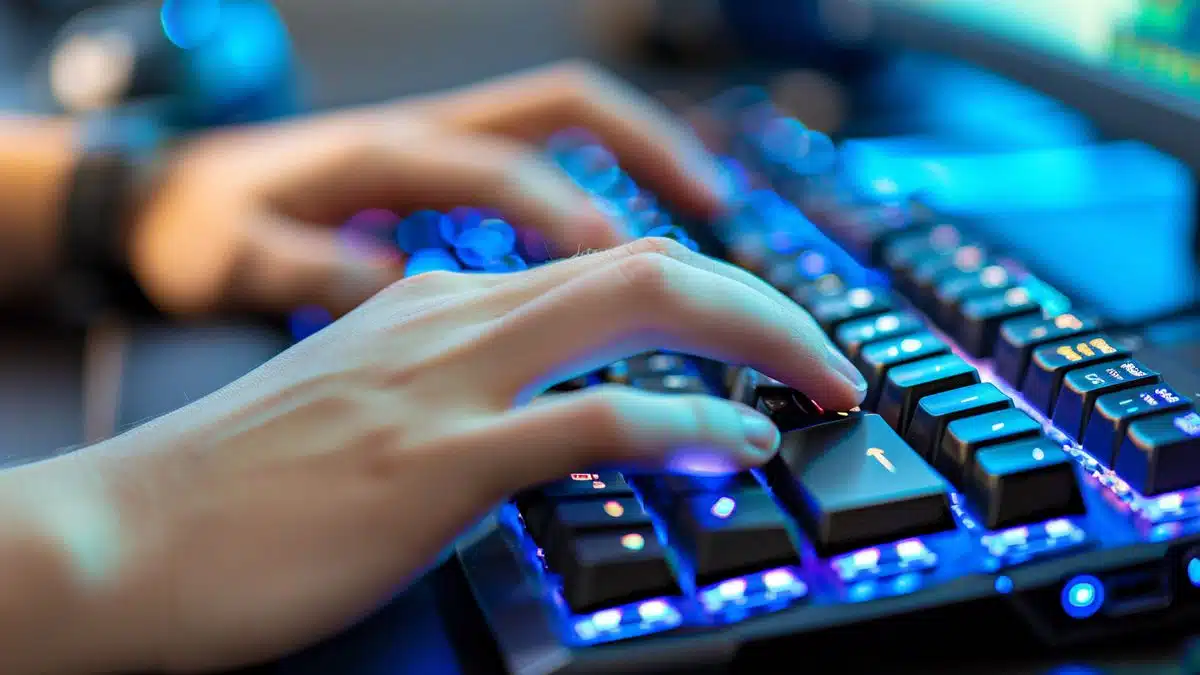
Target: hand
282, 508
244, 219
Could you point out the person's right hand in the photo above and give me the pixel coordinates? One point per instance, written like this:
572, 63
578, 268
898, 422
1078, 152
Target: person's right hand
282, 508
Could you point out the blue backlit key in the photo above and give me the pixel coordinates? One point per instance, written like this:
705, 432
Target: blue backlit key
964, 438
906, 385
572, 518
1081, 388
856, 303
878, 358
725, 535
934, 412
1019, 337
856, 483
1114, 412
1024, 482
851, 336
1050, 363
1161, 453
602, 569
977, 325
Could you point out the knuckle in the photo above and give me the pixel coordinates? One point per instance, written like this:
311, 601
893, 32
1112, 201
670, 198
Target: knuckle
604, 415
647, 277
578, 75
658, 245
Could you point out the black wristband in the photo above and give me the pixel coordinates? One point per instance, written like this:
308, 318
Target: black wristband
118, 152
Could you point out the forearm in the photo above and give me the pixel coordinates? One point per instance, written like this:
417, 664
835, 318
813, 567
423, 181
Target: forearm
37, 156
73, 560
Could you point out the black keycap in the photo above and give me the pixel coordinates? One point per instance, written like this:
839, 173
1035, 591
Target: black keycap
1113, 412
572, 518
856, 303
978, 322
1051, 362
934, 412
851, 336
1024, 482
856, 483
932, 271
791, 410
956, 289
648, 366
1081, 388
672, 384
537, 505
904, 253
614, 567
1161, 453
906, 385
1019, 337
878, 358
749, 384
729, 535
825, 286
964, 438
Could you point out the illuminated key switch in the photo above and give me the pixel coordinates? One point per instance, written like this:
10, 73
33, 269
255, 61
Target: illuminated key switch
850, 337
1161, 453
1114, 412
1081, 388
1050, 363
878, 358
1019, 337
906, 385
934, 412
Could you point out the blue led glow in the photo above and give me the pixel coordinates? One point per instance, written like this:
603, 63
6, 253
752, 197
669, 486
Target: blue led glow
1193, 571
188, 23
1004, 585
429, 260
1082, 597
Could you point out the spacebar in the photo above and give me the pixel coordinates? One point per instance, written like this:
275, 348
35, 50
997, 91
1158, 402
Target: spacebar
856, 483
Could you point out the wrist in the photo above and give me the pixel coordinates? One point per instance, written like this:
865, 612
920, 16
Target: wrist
83, 540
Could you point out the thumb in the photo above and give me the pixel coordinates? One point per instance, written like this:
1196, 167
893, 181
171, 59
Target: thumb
295, 263
613, 426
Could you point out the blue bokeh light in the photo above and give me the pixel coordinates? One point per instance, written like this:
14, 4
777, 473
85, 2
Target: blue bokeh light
1193, 571
190, 23
1082, 597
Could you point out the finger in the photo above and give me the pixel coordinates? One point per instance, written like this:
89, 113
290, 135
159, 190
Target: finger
651, 301
619, 427
658, 150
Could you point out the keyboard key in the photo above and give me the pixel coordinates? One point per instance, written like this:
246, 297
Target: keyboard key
856, 483
1161, 453
749, 384
905, 253
978, 322
1024, 482
1113, 412
906, 385
965, 437
878, 358
728, 535
851, 336
856, 303
1050, 363
537, 505
648, 366
825, 286
1081, 388
791, 410
934, 412
686, 486
1019, 337
955, 289
570, 519
930, 271
614, 567
672, 384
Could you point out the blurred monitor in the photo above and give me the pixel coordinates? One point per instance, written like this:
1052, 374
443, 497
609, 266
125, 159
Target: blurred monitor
1132, 65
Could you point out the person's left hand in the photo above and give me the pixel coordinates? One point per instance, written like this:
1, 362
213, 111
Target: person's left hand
244, 219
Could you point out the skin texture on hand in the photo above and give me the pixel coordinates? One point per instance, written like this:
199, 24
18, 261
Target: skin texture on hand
246, 219
286, 506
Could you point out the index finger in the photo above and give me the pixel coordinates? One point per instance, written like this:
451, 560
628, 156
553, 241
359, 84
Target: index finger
658, 150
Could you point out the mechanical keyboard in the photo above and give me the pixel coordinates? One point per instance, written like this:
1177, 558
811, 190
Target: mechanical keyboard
1013, 447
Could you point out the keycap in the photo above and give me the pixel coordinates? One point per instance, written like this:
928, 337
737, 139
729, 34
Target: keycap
825, 286
678, 485
978, 322
648, 366
906, 385
953, 290
905, 252
1051, 362
614, 567
1019, 337
934, 412
1113, 412
878, 358
726, 535
1024, 482
851, 336
569, 519
1081, 388
932, 271
1161, 453
856, 303
749, 384
672, 384
965, 437
791, 410
856, 483
537, 504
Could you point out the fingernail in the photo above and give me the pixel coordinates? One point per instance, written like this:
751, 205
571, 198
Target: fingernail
846, 369
760, 431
